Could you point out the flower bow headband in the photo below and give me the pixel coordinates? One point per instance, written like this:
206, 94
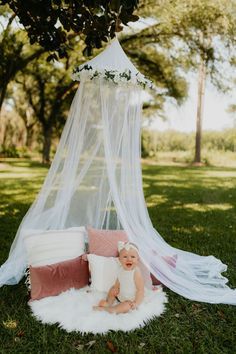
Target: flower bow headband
126, 245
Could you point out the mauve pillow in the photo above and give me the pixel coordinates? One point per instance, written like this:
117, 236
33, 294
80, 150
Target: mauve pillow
155, 281
104, 242
171, 260
51, 280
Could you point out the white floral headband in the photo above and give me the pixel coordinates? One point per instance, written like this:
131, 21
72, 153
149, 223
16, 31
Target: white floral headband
126, 246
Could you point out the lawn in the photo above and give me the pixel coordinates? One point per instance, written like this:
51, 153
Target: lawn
192, 208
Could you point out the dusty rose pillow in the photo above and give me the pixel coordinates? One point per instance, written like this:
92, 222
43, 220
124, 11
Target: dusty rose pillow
155, 281
171, 260
104, 242
51, 280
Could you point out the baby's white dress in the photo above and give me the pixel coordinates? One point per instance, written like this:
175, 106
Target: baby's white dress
127, 284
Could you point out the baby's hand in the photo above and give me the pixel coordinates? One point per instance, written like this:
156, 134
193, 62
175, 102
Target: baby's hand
133, 305
114, 291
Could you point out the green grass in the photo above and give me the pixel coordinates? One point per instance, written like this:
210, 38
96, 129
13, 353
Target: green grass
192, 208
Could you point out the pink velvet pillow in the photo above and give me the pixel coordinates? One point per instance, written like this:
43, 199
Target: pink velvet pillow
171, 260
51, 280
104, 242
155, 281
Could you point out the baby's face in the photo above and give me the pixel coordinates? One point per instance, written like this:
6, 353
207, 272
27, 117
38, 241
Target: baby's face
129, 259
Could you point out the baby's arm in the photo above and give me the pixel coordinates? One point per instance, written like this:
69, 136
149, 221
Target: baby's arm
138, 279
113, 292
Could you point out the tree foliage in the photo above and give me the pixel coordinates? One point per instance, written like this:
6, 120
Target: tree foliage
15, 52
195, 28
52, 22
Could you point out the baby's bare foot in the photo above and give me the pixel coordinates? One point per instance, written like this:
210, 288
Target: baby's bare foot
103, 303
110, 309
99, 308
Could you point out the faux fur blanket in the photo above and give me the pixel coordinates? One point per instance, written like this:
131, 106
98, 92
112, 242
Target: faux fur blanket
73, 311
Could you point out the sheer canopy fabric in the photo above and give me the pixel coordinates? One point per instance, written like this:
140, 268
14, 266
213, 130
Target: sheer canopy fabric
95, 179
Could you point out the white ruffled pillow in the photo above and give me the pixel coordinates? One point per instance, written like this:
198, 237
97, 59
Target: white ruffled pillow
103, 271
55, 246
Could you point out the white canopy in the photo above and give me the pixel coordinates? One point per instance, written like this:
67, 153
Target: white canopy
119, 60
95, 179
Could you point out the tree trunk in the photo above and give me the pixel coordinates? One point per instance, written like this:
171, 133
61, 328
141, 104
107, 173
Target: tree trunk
201, 92
47, 139
3, 90
29, 137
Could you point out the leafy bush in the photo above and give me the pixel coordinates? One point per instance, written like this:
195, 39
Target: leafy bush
9, 151
15, 152
24, 152
154, 142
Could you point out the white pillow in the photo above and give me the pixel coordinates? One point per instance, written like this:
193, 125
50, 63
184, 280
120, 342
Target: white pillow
55, 246
103, 271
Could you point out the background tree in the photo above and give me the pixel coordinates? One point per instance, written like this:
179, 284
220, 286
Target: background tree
180, 37
204, 31
15, 53
48, 90
12, 134
25, 112
232, 110
164, 70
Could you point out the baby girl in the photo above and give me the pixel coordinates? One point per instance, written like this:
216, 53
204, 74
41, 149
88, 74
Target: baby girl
128, 291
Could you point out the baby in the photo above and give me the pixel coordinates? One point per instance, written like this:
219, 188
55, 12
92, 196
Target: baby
128, 291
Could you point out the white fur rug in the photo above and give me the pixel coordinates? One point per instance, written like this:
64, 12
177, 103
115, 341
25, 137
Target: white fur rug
73, 311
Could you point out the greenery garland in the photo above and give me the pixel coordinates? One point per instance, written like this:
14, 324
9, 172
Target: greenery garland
115, 76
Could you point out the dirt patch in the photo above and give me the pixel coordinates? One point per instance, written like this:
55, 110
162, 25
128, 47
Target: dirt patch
3, 166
